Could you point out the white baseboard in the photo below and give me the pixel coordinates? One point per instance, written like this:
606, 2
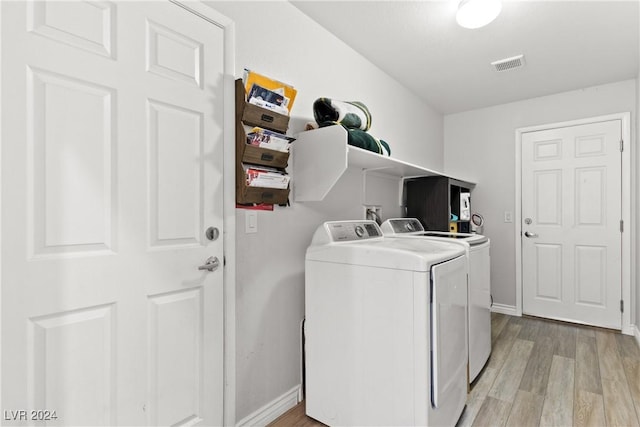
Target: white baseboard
273, 409
636, 333
504, 309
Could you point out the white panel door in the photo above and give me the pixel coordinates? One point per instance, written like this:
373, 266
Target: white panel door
571, 212
111, 173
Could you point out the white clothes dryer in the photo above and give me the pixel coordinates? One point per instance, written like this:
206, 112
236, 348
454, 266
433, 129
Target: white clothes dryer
479, 304
385, 328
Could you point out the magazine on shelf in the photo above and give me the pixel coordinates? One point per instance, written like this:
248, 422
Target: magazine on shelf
265, 138
267, 95
264, 176
269, 106
288, 92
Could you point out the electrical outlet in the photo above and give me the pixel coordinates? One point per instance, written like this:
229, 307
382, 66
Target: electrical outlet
373, 212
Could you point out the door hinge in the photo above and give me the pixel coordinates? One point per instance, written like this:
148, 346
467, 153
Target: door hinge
621, 306
621, 226
621, 145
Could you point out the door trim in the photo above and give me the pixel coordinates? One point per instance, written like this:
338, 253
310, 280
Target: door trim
1, 208
229, 236
628, 272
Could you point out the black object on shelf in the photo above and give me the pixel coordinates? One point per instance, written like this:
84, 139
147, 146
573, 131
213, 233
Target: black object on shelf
435, 202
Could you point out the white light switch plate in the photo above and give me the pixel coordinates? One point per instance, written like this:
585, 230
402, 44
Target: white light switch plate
508, 216
251, 222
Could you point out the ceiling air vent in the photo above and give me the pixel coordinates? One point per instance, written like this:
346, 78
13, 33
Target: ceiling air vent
509, 63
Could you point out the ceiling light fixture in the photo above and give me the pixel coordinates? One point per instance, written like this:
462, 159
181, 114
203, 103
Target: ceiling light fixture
477, 13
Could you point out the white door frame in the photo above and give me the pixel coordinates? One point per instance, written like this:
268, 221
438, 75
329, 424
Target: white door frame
628, 203
229, 277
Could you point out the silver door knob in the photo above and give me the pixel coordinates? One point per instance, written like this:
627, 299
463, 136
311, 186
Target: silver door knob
212, 233
211, 264
530, 235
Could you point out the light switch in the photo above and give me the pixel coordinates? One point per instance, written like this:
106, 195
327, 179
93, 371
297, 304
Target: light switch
251, 222
508, 216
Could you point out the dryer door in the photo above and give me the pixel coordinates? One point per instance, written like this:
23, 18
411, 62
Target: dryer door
479, 308
449, 332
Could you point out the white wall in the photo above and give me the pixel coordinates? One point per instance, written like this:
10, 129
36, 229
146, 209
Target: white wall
276, 39
481, 144
635, 290
636, 176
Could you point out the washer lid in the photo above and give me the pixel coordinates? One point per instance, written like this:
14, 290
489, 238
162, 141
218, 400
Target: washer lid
398, 254
471, 238
409, 227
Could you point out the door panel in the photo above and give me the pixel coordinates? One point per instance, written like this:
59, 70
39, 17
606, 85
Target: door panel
175, 191
548, 272
176, 357
111, 172
591, 274
174, 55
86, 25
571, 208
72, 366
548, 197
70, 164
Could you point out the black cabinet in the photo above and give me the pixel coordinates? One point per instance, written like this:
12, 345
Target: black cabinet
439, 202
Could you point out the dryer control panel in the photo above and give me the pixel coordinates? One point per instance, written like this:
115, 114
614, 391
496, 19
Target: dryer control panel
401, 225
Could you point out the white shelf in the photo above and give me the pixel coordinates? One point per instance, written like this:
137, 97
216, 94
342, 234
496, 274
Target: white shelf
321, 156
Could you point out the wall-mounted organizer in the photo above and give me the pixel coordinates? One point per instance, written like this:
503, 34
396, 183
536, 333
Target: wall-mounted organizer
247, 155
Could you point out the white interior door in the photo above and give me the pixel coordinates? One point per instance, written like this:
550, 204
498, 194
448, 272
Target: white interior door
571, 213
111, 173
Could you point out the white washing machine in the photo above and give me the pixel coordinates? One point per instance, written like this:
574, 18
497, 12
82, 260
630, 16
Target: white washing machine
385, 328
477, 247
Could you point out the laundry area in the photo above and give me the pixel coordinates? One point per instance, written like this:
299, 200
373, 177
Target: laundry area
307, 213
481, 169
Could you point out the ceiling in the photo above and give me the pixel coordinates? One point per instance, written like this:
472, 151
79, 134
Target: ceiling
567, 45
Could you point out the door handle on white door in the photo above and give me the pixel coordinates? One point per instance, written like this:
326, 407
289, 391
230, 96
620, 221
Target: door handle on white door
211, 264
530, 235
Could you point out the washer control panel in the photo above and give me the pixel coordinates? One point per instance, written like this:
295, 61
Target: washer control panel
345, 231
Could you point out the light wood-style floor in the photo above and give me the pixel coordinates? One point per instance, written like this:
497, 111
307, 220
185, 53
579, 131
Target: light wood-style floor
546, 373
